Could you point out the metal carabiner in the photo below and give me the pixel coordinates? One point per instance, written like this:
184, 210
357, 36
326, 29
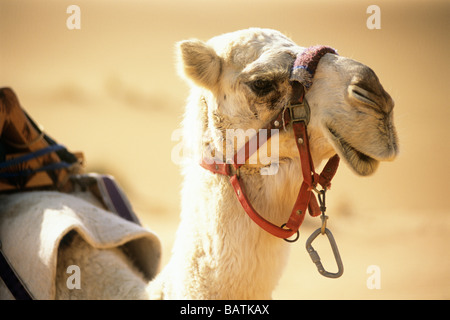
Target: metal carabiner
315, 256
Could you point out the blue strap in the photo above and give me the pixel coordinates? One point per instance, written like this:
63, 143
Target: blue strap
31, 155
28, 172
11, 279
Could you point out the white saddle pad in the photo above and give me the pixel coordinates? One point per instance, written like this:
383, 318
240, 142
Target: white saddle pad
32, 225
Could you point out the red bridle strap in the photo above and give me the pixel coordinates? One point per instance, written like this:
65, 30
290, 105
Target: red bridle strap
305, 198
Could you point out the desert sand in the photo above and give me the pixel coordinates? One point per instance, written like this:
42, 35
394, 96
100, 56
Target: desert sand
111, 90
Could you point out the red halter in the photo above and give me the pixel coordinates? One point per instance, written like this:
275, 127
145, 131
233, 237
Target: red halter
302, 74
296, 114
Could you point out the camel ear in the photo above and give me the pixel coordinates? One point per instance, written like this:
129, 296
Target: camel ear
199, 63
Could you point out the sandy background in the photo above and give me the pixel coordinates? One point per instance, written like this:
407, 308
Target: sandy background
111, 91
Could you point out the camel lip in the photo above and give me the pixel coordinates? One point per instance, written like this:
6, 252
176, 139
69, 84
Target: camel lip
360, 162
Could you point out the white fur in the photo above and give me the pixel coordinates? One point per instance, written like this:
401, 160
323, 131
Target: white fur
219, 252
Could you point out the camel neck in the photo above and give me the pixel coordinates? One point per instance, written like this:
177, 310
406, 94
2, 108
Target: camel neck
219, 252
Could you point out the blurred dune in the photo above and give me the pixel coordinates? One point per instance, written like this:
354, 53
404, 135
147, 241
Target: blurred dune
111, 90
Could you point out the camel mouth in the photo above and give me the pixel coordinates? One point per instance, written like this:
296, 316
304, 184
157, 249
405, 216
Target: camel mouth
360, 162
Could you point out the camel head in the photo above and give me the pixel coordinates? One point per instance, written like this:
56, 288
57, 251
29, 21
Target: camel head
243, 81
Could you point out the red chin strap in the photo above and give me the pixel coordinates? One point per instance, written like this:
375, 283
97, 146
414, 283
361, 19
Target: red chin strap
296, 114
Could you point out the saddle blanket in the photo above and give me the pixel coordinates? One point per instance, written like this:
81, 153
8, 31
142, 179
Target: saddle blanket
33, 224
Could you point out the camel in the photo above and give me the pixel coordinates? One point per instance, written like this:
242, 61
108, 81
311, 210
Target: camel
239, 80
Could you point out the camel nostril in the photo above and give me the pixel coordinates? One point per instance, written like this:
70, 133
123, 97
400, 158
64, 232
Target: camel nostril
362, 95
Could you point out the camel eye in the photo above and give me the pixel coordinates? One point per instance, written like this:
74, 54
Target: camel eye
262, 87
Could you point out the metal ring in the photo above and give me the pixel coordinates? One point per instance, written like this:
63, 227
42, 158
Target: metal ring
289, 240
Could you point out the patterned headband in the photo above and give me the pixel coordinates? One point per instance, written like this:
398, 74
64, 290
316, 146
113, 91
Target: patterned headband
306, 64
